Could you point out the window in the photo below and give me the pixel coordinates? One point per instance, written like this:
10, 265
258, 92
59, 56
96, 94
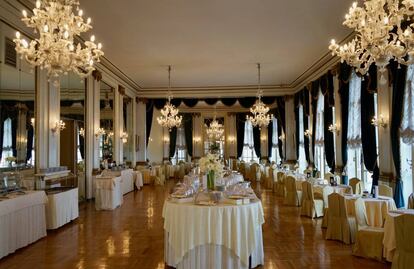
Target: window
7, 142
248, 154
407, 136
355, 165
275, 142
302, 158
180, 148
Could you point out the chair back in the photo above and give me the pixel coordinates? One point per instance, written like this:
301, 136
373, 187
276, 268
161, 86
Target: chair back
411, 201
290, 184
385, 190
404, 235
280, 177
360, 213
181, 171
337, 208
355, 184
307, 191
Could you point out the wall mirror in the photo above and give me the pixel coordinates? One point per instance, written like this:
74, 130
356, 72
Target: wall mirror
127, 134
17, 107
106, 139
72, 137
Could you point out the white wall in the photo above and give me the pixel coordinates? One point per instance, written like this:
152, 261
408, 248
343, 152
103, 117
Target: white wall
155, 147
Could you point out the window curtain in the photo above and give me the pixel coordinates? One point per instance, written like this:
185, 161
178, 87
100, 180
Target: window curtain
306, 123
240, 123
30, 138
298, 102
281, 124
14, 135
190, 102
407, 125
173, 141
188, 132
1, 129
344, 75
228, 101
400, 85
270, 138
148, 119
256, 141
329, 102
368, 135
314, 90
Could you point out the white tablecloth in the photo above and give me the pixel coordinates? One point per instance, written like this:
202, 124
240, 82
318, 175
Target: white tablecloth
22, 221
127, 175
389, 233
139, 181
62, 208
228, 232
341, 189
108, 193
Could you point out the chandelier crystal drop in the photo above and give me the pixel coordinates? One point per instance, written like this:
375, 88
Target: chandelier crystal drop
383, 32
55, 48
169, 114
260, 111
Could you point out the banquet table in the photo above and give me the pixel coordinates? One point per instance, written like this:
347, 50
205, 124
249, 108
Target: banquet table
376, 208
138, 179
389, 240
341, 189
108, 193
22, 221
62, 208
222, 236
127, 175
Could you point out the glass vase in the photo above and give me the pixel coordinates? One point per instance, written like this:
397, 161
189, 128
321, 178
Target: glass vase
210, 180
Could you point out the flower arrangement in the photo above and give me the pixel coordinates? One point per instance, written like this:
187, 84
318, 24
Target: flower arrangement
212, 166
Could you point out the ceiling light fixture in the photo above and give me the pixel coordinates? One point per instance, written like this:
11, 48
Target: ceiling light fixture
215, 131
383, 32
260, 117
55, 49
169, 114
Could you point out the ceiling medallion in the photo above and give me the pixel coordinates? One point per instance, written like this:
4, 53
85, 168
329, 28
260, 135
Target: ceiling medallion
169, 114
260, 117
383, 32
55, 48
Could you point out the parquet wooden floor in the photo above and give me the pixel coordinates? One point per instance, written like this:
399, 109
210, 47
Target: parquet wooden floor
133, 237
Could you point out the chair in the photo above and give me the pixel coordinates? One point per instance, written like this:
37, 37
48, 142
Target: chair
411, 201
234, 164
279, 187
328, 190
368, 240
181, 171
355, 184
242, 169
270, 178
255, 172
293, 197
404, 235
340, 226
311, 207
384, 190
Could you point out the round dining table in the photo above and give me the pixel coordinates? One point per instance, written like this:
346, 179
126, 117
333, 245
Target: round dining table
221, 236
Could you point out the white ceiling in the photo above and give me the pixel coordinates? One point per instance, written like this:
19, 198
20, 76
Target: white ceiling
215, 42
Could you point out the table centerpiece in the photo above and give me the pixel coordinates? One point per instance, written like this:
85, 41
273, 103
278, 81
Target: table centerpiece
212, 167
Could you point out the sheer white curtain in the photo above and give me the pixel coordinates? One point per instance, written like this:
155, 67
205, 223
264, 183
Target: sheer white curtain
319, 135
407, 135
275, 142
181, 147
302, 157
7, 142
248, 153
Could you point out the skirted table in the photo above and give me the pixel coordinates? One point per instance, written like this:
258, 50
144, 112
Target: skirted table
62, 208
222, 236
108, 193
22, 221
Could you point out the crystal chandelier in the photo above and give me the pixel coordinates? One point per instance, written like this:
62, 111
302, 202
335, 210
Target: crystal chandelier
260, 118
55, 49
215, 131
384, 32
169, 114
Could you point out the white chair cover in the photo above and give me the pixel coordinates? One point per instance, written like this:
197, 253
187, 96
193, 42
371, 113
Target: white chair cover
280, 184
411, 201
328, 190
404, 233
293, 197
355, 183
310, 207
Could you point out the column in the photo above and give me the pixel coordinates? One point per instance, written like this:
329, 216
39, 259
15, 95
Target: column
166, 144
118, 124
384, 132
92, 124
338, 121
140, 128
47, 115
231, 135
290, 132
21, 133
133, 137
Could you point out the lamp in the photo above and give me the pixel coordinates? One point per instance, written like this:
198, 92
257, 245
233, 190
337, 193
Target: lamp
59, 126
333, 128
99, 132
82, 132
124, 137
308, 133
379, 121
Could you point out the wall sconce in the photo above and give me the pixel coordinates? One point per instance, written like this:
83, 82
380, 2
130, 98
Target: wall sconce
282, 137
333, 128
166, 140
263, 138
308, 133
59, 126
231, 139
99, 132
379, 121
82, 132
197, 140
32, 122
124, 137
